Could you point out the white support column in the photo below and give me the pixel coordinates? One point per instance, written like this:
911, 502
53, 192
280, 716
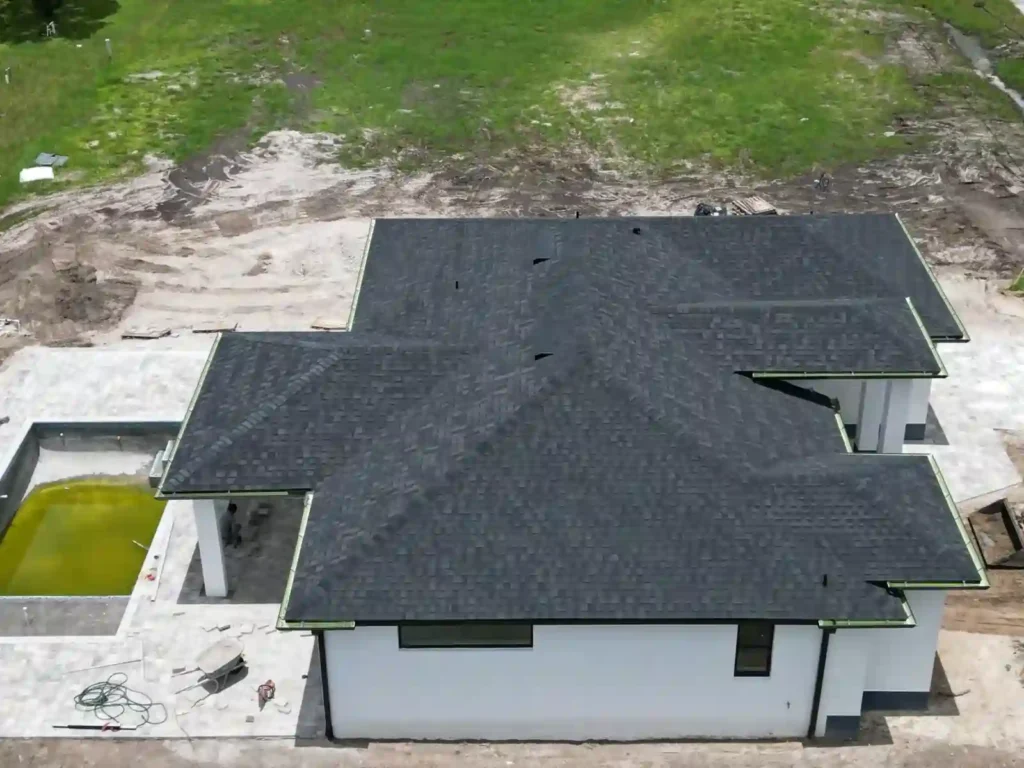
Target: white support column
917, 415
209, 519
870, 413
894, 418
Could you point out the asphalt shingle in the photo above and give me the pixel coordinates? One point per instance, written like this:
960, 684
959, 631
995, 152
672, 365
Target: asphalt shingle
553, 420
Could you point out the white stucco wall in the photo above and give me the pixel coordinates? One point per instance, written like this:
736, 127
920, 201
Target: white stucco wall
578, 682
881, 409
843, 685
902, 659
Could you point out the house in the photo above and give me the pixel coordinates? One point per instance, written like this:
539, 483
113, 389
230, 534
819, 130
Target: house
591, 479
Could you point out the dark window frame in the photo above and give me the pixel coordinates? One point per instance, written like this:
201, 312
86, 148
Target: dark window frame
403, 643
741, 646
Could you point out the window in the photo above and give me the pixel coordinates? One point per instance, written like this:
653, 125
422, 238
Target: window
754, 649
475, 635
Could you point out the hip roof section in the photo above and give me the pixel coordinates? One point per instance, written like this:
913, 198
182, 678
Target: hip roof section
560, 420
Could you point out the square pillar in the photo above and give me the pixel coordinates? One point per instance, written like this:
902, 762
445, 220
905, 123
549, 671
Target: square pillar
869, 415
917, 415
894, 419
210, 516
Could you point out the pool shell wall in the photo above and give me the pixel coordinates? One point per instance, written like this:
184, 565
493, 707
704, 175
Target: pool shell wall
21, 616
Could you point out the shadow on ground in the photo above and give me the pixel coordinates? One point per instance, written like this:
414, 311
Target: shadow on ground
257, 562
25, 21
311, 729
874, 728
933, 432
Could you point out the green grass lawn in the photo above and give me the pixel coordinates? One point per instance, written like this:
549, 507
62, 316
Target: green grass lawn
767, 83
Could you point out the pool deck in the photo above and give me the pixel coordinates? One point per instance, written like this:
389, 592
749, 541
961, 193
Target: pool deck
165, 626
167, 623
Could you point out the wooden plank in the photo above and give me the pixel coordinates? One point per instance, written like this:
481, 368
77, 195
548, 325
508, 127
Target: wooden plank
330, 324
146, 333
223, 326
754, 206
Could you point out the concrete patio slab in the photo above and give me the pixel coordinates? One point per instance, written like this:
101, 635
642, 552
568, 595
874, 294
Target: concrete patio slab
983, 393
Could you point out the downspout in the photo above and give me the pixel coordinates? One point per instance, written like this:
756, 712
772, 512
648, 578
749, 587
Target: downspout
819, 681
321, 651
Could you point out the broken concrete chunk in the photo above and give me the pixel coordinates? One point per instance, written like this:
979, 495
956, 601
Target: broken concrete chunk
250, 719
223, 627
245, 629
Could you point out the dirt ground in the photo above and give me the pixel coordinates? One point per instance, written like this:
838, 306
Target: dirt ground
272, 237
270, 754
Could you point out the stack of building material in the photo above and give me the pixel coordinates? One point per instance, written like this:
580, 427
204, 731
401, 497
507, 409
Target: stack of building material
754, 206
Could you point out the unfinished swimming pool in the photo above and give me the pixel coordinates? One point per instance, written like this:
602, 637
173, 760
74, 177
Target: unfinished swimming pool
77, 515
86, 536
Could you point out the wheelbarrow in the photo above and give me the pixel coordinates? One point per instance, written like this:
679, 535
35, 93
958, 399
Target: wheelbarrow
216, 664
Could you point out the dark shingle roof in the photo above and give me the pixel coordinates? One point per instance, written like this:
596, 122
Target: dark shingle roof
830, 336
551, 420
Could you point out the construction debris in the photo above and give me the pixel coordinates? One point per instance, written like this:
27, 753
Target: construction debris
146, 333
329, 324
265, 693
215, 327
50, 160
710, 209
35, 174
754, 206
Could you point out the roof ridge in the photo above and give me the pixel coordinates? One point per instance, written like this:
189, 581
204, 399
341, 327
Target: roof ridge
384, 509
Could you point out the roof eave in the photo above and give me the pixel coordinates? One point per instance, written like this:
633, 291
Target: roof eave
964, 336
284, 624
188, 415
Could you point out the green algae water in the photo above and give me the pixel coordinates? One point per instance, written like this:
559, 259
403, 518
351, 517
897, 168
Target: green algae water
74, 537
